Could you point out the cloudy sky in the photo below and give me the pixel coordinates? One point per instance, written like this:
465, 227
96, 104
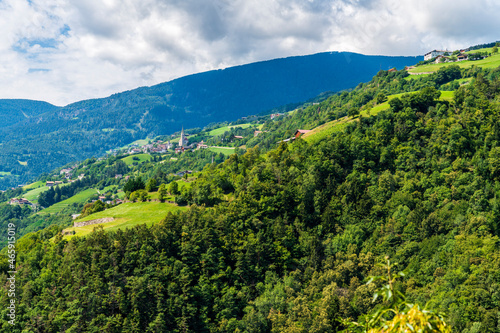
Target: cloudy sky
62, 51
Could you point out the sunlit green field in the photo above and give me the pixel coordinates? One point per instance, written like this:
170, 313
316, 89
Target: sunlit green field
38, 188
33, 185
225, 151
127, 215
33, 194
222, 130
141, 158
325, 130
490, 62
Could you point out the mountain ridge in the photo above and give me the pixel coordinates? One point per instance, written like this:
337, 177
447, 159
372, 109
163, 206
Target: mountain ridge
90, 127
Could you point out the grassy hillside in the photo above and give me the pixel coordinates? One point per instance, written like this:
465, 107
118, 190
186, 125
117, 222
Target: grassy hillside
221, 130
76, 199
127, 215
139, 158
491, 62
223, 150
32, 195
34, 185
328, 129
4, 174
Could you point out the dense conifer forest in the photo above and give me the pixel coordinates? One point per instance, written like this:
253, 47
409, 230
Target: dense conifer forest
284, 237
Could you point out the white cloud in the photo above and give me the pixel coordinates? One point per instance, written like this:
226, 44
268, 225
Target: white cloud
62, 51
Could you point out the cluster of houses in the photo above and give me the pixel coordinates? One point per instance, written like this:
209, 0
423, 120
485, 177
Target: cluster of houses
440, 56
160, 147
67, 172
51, 183
183, 145
155, 147
114, 201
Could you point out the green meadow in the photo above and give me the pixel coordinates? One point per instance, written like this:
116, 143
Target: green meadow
490, 62
33, 194
33, 185
222, 130
223, 150
77, 198
129, 160
127, 215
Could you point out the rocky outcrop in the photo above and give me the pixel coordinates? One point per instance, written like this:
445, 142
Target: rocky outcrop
96, 221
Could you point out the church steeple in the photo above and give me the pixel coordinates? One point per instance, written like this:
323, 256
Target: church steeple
182, 140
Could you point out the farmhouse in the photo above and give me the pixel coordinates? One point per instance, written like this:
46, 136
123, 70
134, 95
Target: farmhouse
65, 171
19, 201
440, 59
136, 151
299, 132
49, 184
201, 145
433, 54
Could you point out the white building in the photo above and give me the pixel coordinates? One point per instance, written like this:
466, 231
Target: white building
434, 54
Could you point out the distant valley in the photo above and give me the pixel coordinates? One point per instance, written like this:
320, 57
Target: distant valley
37, 137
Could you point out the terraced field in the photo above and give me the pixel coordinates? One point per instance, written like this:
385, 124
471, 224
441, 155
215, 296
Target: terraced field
78, 198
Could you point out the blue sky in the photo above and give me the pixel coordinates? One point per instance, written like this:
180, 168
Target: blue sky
62, 51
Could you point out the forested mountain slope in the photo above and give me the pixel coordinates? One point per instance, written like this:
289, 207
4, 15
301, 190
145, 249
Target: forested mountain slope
13, 111
91, 127
283, 241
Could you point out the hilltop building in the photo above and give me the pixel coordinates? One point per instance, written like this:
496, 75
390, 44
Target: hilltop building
434, 54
